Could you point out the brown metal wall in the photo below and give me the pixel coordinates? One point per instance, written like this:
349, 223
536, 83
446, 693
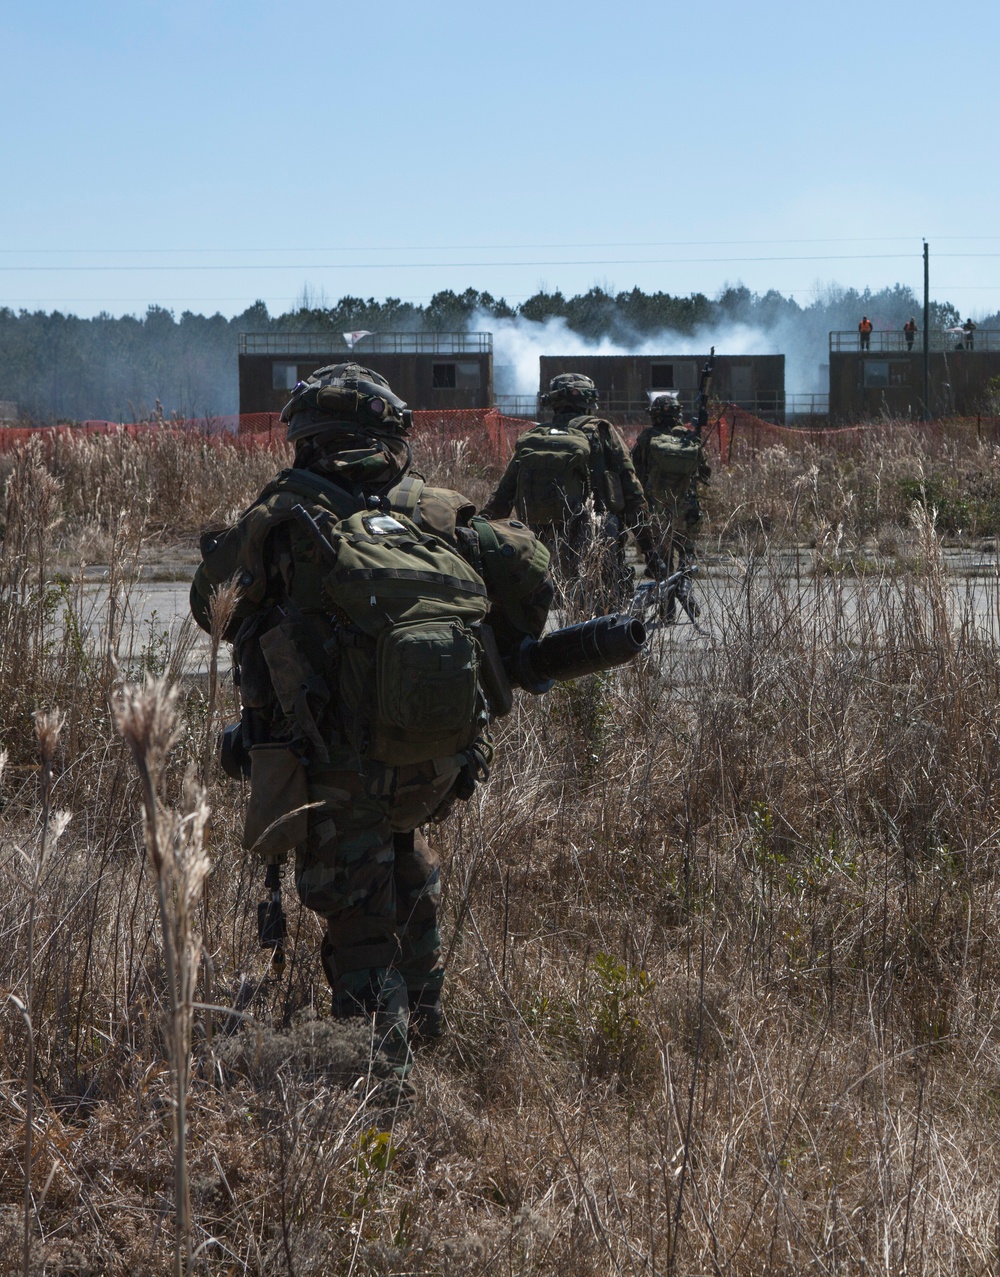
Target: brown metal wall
629, 377
957, 382
410, 376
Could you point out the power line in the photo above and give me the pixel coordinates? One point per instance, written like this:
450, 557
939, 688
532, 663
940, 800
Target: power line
462, 248
623, 261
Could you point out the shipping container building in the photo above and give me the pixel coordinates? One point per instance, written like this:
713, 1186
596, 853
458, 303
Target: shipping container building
626, 383
428, 370
887, 380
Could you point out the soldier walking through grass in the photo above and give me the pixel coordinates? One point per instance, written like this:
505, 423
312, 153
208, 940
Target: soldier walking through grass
573, 482
669, 459
372, 610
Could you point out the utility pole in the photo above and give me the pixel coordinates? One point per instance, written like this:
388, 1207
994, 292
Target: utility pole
927, 333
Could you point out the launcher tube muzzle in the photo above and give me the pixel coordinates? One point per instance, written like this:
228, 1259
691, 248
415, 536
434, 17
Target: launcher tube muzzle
587, 648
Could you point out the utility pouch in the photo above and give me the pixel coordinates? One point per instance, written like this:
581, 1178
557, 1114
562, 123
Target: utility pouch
426, 691
492, 674
302, 694
276, 820
613, 495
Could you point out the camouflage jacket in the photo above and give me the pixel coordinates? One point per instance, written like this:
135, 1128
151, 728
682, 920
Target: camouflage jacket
614, 482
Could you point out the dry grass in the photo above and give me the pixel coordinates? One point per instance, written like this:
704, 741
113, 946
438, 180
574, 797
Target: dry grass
722, 936
862, 484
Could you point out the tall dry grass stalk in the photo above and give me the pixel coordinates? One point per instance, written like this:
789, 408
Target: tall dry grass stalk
48, 725
175, 845
221, 606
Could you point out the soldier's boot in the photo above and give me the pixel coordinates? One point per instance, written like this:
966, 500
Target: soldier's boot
377, 993
418, 889
378, 996
685, 591
688, 601
426, 1020
392, 1024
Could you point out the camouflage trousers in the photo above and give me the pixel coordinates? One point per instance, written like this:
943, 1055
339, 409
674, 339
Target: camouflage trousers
678, 523
375, 880
588, 553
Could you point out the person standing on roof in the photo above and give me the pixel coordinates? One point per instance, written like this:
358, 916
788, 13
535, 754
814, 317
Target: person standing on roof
865, 332
910, 332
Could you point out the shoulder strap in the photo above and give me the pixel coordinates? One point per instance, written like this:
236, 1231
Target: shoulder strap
488, 539
405, 496
595, 428
307, 484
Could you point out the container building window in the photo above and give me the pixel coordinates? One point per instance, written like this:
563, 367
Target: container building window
467, 376
458, 376
876, 374
284, 376
661, 376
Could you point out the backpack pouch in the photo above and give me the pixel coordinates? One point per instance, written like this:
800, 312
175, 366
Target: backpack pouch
553, 477
673, 462
428, 701
276, 821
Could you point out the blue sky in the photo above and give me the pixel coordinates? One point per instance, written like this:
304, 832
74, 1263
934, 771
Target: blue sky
201, 155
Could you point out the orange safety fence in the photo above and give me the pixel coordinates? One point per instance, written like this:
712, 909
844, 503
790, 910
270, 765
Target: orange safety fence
491, 432
732, 432
741, 433
223, 430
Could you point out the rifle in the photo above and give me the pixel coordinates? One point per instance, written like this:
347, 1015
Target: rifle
704, 387
655, 602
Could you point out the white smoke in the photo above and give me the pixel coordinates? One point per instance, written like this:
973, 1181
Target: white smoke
518, 343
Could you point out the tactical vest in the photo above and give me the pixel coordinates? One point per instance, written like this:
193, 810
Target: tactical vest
553, 476
673, 461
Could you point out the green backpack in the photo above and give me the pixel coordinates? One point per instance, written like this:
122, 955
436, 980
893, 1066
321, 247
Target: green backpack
408, 670
673, 463
417, 599
553, 477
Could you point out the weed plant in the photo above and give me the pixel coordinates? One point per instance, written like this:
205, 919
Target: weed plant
722, 938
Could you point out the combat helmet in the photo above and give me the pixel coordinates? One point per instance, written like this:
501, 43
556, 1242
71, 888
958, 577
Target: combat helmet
345, 419
665, 410
570, 392
345, 394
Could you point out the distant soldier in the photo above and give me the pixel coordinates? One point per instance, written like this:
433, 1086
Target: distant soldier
969, 328
670, 461
865, 332
572, 480
910, 331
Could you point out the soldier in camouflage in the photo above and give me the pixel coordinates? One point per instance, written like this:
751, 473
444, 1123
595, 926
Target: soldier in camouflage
669, 460
607, 505
304, 667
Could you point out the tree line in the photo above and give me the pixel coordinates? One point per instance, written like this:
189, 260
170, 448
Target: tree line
58, 367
